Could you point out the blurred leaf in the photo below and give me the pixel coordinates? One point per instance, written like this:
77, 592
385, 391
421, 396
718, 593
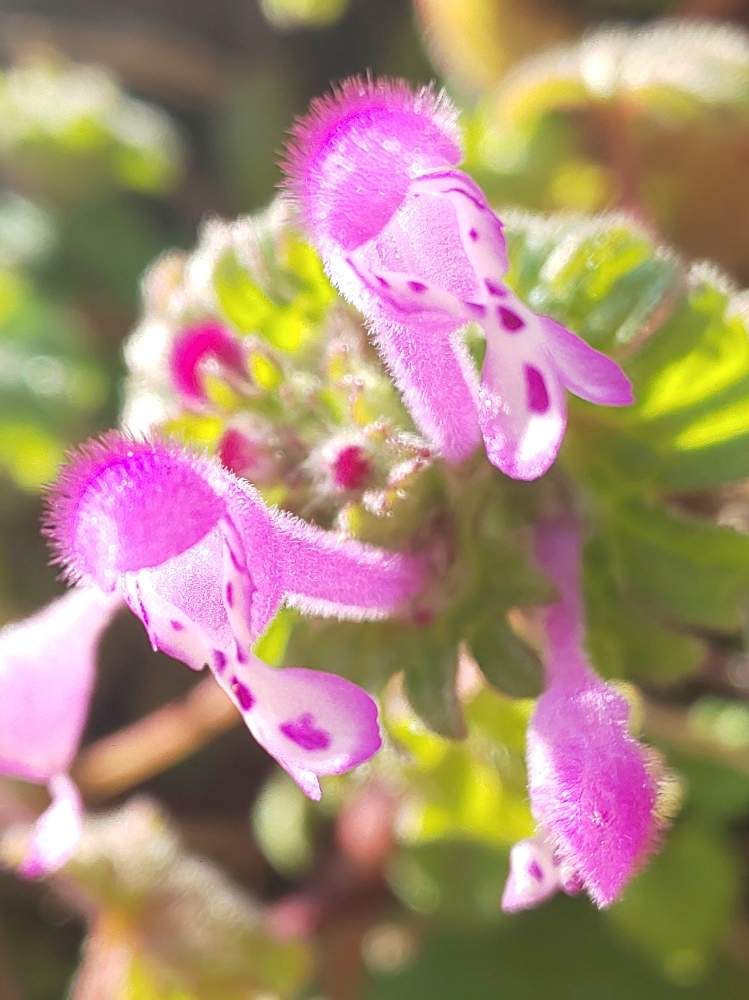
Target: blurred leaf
105, 266
563, 949
191, 931
303, 13
718, 794
430, 676
474, 41
472, 790
280, 825
249, 128
506, 660
621, 115
695, 876
711, 71
27, 231
452, 882
52, 391
69, 131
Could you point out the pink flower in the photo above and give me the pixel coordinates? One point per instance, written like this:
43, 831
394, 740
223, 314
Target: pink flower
205, 565
47, 665
412, 242
594, 788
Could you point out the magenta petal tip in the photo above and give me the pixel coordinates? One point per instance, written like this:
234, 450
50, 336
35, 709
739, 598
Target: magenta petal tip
113, 507
357, 148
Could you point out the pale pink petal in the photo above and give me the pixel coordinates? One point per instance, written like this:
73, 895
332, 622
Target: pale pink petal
57, 831
47, 668
534, 876
522, 406
312, 723
195, 346
588, 373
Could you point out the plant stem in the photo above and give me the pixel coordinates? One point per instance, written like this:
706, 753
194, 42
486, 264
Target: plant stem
149, 746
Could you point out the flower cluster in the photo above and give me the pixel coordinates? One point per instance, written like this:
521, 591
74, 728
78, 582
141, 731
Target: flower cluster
205, 560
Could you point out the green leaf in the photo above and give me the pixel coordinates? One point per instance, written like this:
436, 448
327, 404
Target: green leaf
623, 640
303, 13
603, 275
688, 570
272, 644
430, 678
242, 300
471, 790
506, 660
53, 392
605, 120
687, 339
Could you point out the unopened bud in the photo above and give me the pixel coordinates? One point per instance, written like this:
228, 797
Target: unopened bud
351, 468
247, 452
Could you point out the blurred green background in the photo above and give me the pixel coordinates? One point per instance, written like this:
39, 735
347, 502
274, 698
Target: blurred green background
122, 127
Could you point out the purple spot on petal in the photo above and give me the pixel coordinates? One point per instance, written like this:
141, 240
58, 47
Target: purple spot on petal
303, 732
477, 308
219, 660
383, 282
510, 320
538, 394
494, 289
240, 653
417, 286
466, 194
243, 694
177, 626
534, 870
237, 563
474, 234
230, 594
